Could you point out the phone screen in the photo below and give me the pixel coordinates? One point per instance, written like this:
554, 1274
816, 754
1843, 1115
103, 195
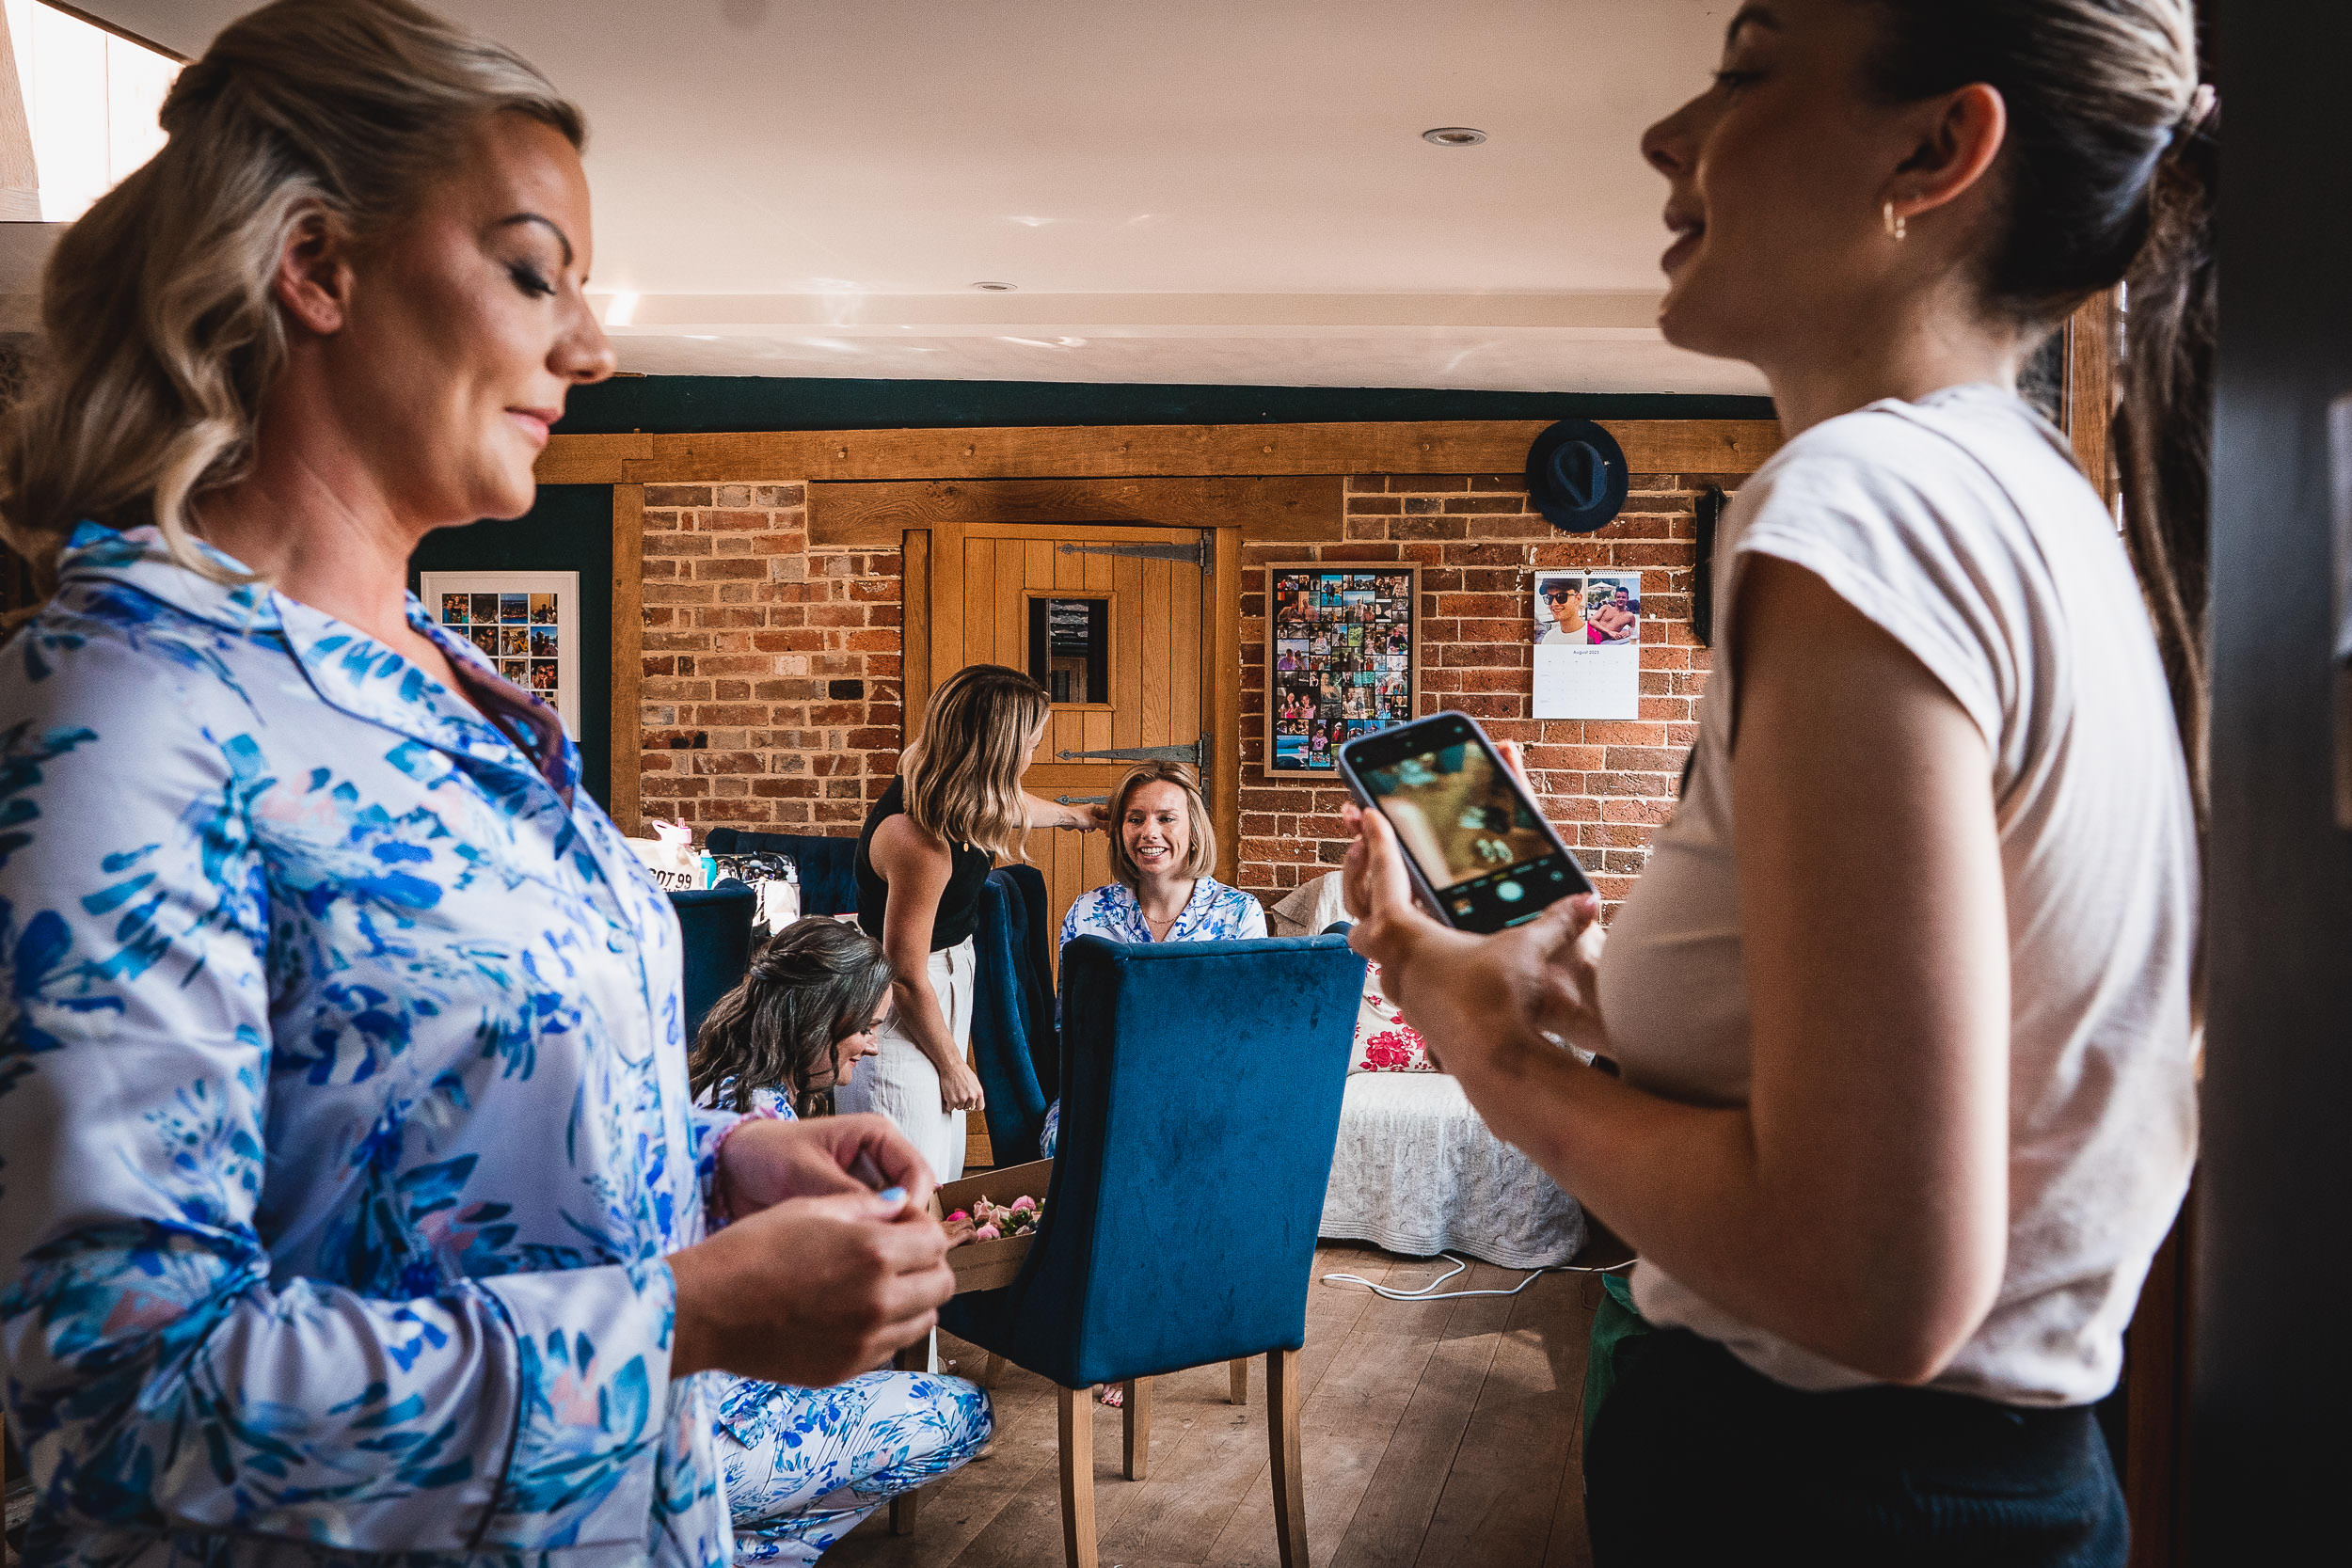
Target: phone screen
1470, 831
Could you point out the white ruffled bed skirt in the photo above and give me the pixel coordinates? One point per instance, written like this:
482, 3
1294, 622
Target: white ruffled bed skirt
1417, 1172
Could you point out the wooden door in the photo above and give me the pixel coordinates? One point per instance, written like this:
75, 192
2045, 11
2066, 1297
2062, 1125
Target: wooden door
1136, 599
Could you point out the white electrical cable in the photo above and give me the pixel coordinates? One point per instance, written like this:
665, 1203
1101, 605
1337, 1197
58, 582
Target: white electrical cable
1425, 1292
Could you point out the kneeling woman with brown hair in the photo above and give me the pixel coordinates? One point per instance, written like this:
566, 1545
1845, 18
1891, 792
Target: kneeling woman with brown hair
956, 805
803, 1465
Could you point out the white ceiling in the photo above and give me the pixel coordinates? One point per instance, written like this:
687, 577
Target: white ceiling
1204, 190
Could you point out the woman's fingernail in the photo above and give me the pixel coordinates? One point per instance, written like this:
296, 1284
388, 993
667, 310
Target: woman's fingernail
892, 1194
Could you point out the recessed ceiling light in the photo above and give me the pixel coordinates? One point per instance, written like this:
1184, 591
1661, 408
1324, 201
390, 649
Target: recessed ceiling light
996, 288
1453, 136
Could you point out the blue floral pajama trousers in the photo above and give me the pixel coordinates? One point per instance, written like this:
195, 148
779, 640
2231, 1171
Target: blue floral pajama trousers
803, 1465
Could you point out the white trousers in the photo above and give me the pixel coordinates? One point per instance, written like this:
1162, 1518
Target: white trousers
901, 1082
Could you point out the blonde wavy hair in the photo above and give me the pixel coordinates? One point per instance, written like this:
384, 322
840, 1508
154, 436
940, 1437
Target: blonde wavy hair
160, 336
962, 772
1200, 857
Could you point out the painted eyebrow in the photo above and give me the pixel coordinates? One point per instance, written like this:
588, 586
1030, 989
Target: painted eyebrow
548, 223
1760, 15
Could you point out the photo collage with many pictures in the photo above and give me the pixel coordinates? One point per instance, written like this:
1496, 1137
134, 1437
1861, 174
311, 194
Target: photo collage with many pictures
519, 633
1340, 658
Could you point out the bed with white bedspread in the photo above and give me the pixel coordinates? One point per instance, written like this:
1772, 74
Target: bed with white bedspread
1416, 1170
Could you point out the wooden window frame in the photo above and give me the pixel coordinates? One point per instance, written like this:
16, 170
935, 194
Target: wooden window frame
1113, 622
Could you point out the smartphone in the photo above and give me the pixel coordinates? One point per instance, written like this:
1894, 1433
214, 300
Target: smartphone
1478, 846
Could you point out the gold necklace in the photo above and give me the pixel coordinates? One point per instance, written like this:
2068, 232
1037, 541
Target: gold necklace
1159, 928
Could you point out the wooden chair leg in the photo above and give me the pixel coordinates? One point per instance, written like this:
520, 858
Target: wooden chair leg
1078, 1477
1239, 1373
907, 1506
1135, 1427
1281, 1430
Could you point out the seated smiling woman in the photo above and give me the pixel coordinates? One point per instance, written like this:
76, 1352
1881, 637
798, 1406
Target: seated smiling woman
354, 1205
1162, 847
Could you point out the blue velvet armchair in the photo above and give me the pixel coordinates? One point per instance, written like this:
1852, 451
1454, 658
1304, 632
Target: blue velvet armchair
1201, 1102
715, 926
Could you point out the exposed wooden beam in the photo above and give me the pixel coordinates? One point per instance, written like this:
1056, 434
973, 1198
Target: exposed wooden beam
589, 459
914, 638
629, 655
1221, 623
1118, 451
874, 516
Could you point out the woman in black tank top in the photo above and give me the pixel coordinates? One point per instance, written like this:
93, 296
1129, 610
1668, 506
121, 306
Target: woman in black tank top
922, 860
958, 902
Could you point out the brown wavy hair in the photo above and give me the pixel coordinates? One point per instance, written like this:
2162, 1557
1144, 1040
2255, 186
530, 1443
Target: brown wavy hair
816, 982
962, 772
160, 339
1201, 858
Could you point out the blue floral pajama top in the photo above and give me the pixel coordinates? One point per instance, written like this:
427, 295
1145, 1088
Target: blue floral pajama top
1215, 912
343, 1113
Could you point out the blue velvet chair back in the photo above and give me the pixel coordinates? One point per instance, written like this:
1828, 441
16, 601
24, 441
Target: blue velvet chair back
828, 865
716, 925
1200, 1102
1015, 1049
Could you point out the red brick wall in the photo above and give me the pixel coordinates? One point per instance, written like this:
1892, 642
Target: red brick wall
1606, 783
772, 694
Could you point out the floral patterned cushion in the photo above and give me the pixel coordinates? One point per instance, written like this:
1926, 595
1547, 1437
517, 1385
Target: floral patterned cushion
1384, 1041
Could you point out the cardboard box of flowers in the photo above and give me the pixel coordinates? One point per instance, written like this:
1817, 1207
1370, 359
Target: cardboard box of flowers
998, 1212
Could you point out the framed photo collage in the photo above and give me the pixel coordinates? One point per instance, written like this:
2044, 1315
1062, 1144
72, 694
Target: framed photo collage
1343, 658
526, 624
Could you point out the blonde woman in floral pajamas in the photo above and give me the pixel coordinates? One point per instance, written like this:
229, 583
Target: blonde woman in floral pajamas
353, 1206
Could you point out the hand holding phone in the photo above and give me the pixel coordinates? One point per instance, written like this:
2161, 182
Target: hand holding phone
1481, 855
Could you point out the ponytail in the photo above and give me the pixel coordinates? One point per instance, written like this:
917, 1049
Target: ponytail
2164, 424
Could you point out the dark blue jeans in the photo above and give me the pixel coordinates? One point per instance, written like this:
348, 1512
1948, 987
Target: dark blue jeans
1696, 1459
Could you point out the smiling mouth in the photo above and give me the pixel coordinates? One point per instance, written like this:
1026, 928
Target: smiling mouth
1687, 232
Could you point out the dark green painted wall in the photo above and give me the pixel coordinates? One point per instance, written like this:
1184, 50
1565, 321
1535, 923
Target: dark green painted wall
570, 528
676, 404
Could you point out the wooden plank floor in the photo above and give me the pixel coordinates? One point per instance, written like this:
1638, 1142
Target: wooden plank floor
1436, 1434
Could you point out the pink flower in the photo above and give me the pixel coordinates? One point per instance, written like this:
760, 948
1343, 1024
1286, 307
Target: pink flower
958, 1217
986, 1233
1023, 1204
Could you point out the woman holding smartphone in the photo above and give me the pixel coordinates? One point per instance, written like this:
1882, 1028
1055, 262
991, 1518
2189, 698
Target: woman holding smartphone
1904, 1000
955, 806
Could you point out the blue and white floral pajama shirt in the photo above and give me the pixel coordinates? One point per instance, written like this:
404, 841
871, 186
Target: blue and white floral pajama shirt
343, 1113
1215, 912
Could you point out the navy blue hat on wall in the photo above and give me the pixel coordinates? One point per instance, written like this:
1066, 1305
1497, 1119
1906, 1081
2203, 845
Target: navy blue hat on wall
1576, 476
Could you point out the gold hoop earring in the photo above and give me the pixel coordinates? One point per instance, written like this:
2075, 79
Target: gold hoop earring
1896, 227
